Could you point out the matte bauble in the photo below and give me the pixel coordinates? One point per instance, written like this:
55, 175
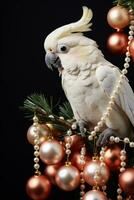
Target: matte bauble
118, 17
43, 131
77, 162
112, 157
126, 181
117, 43
76, 142
94, 195
131, 48
38, 187
94, 173
51, 171
68, 178
51, 152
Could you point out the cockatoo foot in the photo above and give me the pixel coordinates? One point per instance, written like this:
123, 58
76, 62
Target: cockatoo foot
104, 136
81, 124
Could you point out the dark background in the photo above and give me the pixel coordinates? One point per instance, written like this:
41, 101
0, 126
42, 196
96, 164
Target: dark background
25, 24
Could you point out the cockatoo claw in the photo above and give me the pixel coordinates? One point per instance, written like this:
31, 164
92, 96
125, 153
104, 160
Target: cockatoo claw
81, 125
105, 135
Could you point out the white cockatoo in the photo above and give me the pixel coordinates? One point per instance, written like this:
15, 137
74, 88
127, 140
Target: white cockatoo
88, 80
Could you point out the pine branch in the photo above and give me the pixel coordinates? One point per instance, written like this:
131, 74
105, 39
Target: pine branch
39, 105
66, 111
129, 4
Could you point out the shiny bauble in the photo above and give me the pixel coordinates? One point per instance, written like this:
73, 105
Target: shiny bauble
126, 181
68, 178
76, 142
51, 152
38, 187
77, 162
43, 131
117, 43
51, 171
95, 195
94, 173
131, 48
112, 157
118, 17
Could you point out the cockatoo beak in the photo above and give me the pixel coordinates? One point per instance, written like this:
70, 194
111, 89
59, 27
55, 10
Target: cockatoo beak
52, 60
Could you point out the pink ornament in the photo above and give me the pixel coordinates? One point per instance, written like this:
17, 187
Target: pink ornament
51, 152
68, 178
38, 187
94, 195
94, 173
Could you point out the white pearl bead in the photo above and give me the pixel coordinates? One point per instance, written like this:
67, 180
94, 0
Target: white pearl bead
90, 137
36, 147
36, 159
74, 126
126, 65
126, 140
112, 138
117, 139
93, 133
51, 116
101, 158
124, 71
123, 158
123, 164
68, 145
122, 169
131, 27
61, 117
127, 59
119, 190
103, 119
69, 132
68, 151
131, 144
131, 33
109, 109
130, 37
127, 48
96, 129
123, 152
36, 166
100, 124
127, 53
36, 153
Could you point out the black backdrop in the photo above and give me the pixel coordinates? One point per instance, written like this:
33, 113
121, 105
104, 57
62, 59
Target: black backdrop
25, 24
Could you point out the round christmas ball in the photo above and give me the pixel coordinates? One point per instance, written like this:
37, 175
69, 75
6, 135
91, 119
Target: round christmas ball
126, 181
51, 152
51, 171
43, 131
94, 173
118, 17
131, 48
77, 162
68, 178
38, 187
117, 43
112, 157
94, 195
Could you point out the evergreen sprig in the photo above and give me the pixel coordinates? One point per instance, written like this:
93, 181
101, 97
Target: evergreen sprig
66, 111
129, 4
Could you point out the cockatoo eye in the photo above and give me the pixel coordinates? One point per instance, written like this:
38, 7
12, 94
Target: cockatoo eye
63, 48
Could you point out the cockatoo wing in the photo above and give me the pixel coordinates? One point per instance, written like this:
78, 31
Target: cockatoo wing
108, 78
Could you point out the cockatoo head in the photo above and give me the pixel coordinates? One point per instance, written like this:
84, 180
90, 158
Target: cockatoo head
66, 47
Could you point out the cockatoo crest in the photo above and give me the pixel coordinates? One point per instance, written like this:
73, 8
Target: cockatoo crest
80, 26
